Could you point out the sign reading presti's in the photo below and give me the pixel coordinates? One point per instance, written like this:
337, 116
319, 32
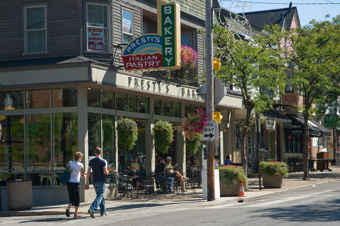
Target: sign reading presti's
157, 51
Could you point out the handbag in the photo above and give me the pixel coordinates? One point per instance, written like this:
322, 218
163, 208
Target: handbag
65, 176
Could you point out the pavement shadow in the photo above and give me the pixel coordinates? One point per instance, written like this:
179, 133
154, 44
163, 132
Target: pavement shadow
136, 206
305, 213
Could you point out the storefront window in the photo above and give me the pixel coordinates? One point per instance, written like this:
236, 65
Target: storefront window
108, 100
97, 27
93, 97
94, 132
189, 109
67, 97
144, 105
12, 143
38, 142
65, 138
7, 177
40, 179
138, 150
133, 106
16, 98
121, 102
108, 138
167, 108
158, 107
177, 110
38, 99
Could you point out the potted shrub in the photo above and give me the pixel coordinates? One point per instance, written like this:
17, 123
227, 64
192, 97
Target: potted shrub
230, 180
272, 173
163, 135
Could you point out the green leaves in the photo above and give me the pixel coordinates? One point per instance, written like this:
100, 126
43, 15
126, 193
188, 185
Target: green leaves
127, 133
163, 135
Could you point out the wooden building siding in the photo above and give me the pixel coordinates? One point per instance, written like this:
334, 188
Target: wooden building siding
11, 27
63, 28
195, 7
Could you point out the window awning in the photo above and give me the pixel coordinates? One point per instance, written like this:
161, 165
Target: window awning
324, 130
276, 115
315, 128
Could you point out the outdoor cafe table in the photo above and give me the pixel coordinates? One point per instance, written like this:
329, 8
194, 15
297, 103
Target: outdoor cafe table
125, 180
325, 163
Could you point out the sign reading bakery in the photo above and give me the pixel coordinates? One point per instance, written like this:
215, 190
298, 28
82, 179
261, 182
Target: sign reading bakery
157, 51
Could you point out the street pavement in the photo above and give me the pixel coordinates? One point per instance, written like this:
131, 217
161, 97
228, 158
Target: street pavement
193, 198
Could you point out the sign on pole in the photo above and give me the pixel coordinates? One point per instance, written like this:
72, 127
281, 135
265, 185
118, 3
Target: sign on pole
210, 131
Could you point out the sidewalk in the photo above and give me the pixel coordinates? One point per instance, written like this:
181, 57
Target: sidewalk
293, 182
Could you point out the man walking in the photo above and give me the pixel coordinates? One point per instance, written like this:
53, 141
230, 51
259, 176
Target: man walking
99, 169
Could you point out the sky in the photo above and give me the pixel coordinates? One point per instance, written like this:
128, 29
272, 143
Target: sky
307, 9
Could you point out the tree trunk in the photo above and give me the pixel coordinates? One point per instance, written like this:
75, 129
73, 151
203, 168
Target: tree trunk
244, 152
306, 148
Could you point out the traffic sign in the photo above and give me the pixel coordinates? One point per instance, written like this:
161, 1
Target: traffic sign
210, 131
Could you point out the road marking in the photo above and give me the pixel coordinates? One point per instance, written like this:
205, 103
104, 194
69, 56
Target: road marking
266, 202
287, 199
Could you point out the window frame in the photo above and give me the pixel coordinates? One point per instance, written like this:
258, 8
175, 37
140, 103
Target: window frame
35, 30
107, 28
132, 22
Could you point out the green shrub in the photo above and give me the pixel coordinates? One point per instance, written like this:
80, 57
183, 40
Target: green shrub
279, 169
163, 135
231, 174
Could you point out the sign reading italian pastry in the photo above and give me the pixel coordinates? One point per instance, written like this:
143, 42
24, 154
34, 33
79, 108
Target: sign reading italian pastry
157, 51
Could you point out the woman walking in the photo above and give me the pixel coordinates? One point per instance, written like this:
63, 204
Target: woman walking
77, 172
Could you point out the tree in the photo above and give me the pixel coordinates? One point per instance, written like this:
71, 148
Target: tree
254, 66
315, 56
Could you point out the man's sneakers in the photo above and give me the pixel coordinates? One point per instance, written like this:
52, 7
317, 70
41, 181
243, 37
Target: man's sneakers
104, 214
91, 213
67, 212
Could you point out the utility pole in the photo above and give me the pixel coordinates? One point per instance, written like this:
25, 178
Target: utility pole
210, 107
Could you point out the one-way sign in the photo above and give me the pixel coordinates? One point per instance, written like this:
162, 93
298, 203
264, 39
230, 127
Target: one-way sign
210, 131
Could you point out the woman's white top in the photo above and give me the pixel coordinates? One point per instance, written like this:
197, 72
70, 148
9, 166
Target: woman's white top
75, 167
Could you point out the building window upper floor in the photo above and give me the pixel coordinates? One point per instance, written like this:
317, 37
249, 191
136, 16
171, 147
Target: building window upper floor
35, 29
97, 28
127, 27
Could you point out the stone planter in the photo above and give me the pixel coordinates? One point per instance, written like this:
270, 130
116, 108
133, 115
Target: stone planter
272, 181
19, 195
230, 190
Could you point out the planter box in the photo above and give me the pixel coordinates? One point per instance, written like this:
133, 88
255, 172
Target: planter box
230, 190
272, 181
19, 195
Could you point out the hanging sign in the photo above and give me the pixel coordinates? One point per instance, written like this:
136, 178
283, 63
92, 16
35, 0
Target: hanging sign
96, 37
157, 51
270, 125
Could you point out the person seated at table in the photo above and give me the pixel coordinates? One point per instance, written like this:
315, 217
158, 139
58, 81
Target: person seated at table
135, 169
227, 161
169, 169
159, 174
143, 168
216, 162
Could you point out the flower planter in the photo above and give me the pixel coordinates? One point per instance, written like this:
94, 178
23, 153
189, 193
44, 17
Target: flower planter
272, 181
230, 190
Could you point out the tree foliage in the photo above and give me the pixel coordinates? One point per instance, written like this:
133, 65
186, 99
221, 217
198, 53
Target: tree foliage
315, 57
254, 66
